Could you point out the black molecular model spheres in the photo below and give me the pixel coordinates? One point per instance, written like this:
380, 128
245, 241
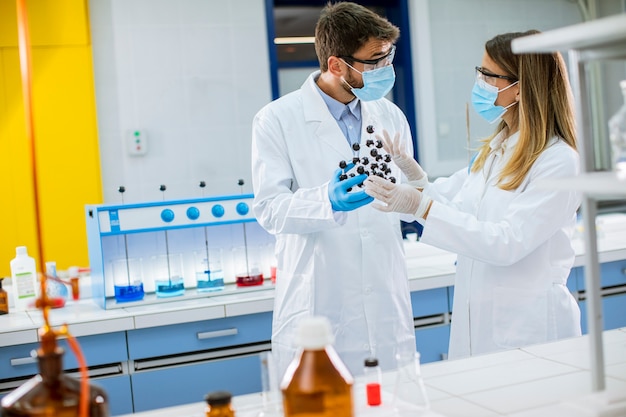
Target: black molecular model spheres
375, 162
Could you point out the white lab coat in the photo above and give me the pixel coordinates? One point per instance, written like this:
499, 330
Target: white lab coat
347, 266
514, 252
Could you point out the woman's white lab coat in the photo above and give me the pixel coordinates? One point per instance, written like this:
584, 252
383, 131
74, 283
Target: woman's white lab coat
514, 252
347, 266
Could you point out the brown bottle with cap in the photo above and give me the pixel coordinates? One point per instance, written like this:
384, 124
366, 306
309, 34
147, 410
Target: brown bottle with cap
218, 404
317, 383
4, 300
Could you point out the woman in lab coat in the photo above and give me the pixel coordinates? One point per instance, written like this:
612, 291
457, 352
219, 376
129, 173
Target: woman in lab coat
336, 256
512, 237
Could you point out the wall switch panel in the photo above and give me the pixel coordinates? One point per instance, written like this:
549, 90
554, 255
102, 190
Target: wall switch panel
137, 142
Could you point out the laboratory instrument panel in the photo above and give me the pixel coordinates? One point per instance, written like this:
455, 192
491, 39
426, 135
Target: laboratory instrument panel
156, 252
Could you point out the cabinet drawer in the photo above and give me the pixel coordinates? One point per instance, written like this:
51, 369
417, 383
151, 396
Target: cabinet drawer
429, 302
613, 312
190, 383
119, 392
432, 343
197, 336
16, 361
611, 274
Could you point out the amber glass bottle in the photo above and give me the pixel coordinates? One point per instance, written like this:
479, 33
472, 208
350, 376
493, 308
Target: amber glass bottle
218, 404
52, 393
317, 383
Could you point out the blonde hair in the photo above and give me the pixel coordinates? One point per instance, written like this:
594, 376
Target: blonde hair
545, 108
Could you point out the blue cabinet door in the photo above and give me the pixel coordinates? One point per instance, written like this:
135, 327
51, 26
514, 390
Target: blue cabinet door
613, 312
432, 343
190, 383
119, 392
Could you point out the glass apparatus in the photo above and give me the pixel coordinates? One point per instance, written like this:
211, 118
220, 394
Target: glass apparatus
409, 395
209, 273
127, 277
168, 274
51, 392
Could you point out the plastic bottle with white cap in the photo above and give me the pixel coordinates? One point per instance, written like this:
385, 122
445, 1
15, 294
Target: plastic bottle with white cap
317, 382
24, 279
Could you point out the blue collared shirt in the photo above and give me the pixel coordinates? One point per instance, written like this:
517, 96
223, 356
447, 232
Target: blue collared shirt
348, 116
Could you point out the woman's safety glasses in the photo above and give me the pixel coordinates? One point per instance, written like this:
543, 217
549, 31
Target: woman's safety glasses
491, 78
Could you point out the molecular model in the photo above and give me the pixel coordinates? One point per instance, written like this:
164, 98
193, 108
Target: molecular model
374, 163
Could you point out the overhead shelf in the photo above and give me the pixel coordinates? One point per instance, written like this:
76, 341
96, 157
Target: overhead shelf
596, 39
600, 185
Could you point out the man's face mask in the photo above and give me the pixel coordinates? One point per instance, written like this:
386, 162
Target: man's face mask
377, 82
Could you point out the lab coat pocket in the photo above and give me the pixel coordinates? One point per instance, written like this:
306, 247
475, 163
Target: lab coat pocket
519, 316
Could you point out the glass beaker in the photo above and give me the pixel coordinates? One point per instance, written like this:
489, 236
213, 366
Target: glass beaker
247, 262
168, 275
409, 394
271, 395
128, 279
209, 273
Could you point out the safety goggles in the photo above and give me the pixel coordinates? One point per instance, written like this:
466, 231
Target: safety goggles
372, 64
491, 78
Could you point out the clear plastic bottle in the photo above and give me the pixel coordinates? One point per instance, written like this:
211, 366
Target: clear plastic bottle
617, 134
24, 276
373, 379
218, 404
317, 383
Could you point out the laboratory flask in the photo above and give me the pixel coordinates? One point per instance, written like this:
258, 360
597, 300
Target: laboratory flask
168, 275
209, 272
317, 383
272, 406
247, 262
409, 394
219, 404
127, 279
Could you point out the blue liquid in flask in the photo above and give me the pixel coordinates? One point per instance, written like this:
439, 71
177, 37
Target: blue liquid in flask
210, 280
124, 293
170, 288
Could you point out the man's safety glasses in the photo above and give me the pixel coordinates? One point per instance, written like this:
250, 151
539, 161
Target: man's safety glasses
371, 64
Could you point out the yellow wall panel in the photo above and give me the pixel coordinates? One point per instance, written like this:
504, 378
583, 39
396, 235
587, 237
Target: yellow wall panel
51, 22
17, 225
67, 156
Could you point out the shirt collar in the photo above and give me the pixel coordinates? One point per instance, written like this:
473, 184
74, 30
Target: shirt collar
337, 108
502, 142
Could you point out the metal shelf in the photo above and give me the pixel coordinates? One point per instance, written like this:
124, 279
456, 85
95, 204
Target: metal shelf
599, 185
585, 42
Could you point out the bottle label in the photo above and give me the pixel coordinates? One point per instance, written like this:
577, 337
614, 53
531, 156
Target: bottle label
24, 284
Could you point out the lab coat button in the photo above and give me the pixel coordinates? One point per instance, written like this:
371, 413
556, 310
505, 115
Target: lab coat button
368, 290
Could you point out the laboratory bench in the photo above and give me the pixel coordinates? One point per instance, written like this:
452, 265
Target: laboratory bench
139, 353
546, 380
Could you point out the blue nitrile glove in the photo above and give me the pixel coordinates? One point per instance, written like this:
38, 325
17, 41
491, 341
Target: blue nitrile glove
340, 198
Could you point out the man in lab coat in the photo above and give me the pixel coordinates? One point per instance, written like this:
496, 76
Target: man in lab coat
336, 256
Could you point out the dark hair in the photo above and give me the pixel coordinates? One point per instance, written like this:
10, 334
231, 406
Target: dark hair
343, 28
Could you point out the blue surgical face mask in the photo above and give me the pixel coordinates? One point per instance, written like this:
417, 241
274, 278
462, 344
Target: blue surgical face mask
484, 98
376, 83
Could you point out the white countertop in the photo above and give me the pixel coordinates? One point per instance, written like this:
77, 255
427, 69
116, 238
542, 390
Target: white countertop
428, 267
548, 380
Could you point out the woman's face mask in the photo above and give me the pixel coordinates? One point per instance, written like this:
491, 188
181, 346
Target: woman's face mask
376, 83
484, 97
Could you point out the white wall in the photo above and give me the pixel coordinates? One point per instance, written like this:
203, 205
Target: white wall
448, 40
191, 74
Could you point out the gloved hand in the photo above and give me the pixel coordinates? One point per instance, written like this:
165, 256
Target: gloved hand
399, 198
340, 198
409, 166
